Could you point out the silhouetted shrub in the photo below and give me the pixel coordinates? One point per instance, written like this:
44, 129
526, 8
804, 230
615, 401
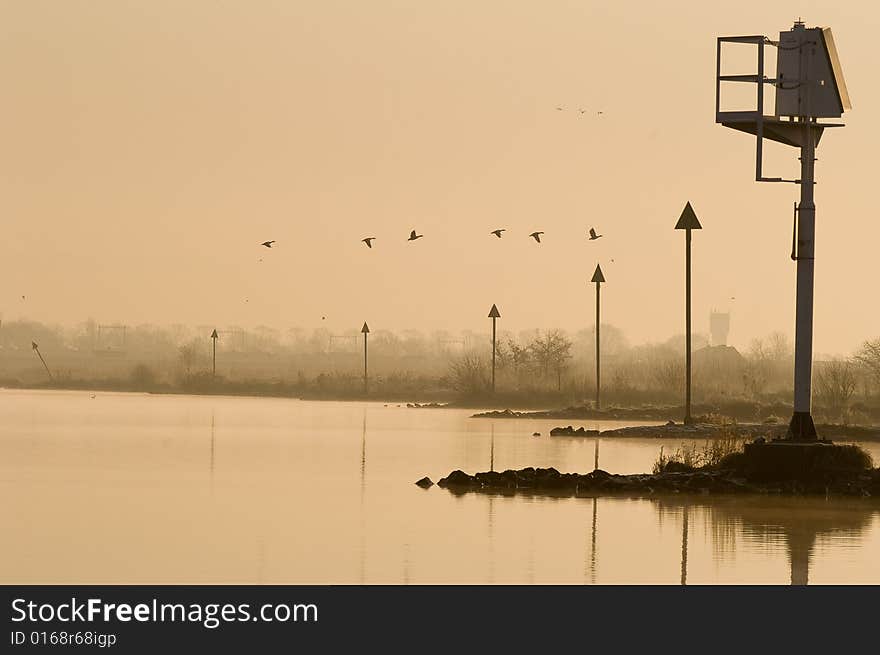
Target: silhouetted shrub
712, 454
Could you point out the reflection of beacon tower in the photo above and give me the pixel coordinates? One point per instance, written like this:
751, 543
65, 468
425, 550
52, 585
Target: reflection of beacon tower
719, 327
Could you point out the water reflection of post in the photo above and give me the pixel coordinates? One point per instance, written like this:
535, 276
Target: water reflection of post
684, 546
363, 563
363, 456
491, 539
212, 450
492, 449
593, 539
800, 548
796, 522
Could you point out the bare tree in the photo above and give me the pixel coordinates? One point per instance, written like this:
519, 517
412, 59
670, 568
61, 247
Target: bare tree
622, 376
835, 384
768, 364
520, 359
551, 353
468, 373
869, 357
668, 374
779, 347
754, 379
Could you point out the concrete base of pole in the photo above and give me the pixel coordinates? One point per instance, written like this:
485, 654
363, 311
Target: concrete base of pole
801, 428
810, 462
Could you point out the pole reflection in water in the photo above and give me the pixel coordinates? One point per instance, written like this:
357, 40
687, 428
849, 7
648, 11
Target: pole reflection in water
492, 449
800, 549
491, 539
593, 540
684, 546
212, 450
798, 523
363, 456
363, 555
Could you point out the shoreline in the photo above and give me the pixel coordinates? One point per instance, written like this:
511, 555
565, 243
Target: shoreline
667, 430
714, 431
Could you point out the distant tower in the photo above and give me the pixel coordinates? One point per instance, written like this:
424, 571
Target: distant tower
719, 327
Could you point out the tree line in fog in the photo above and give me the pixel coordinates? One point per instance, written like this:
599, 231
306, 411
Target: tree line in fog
554, 363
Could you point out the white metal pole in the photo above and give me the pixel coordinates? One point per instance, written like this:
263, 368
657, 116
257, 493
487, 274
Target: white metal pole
802, 423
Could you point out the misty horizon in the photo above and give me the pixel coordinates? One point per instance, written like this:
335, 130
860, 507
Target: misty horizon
480, 336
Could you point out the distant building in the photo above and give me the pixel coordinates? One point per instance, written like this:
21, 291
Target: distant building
718, 370
719, 327
719, 360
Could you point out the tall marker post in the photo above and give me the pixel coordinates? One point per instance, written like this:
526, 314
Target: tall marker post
494, 314
809, 85
598, 279
365, 331
687, 221
37, 350
214, 337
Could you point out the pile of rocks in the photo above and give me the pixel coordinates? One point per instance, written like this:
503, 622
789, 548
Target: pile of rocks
552, 482
572, 432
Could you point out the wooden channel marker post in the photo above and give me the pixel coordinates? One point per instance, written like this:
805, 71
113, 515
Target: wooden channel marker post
494, 314
214, 337
598, 279
365, 331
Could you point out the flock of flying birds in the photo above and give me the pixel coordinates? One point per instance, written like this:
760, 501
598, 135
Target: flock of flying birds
413, 235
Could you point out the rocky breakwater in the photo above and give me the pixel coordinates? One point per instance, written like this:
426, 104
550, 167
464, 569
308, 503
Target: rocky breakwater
676, 479
696, 431
570, 431
672, 430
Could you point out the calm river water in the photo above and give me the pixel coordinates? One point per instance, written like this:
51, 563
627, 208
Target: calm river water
129, 488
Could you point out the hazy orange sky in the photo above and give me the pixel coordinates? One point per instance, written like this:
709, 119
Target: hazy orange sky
149, 147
